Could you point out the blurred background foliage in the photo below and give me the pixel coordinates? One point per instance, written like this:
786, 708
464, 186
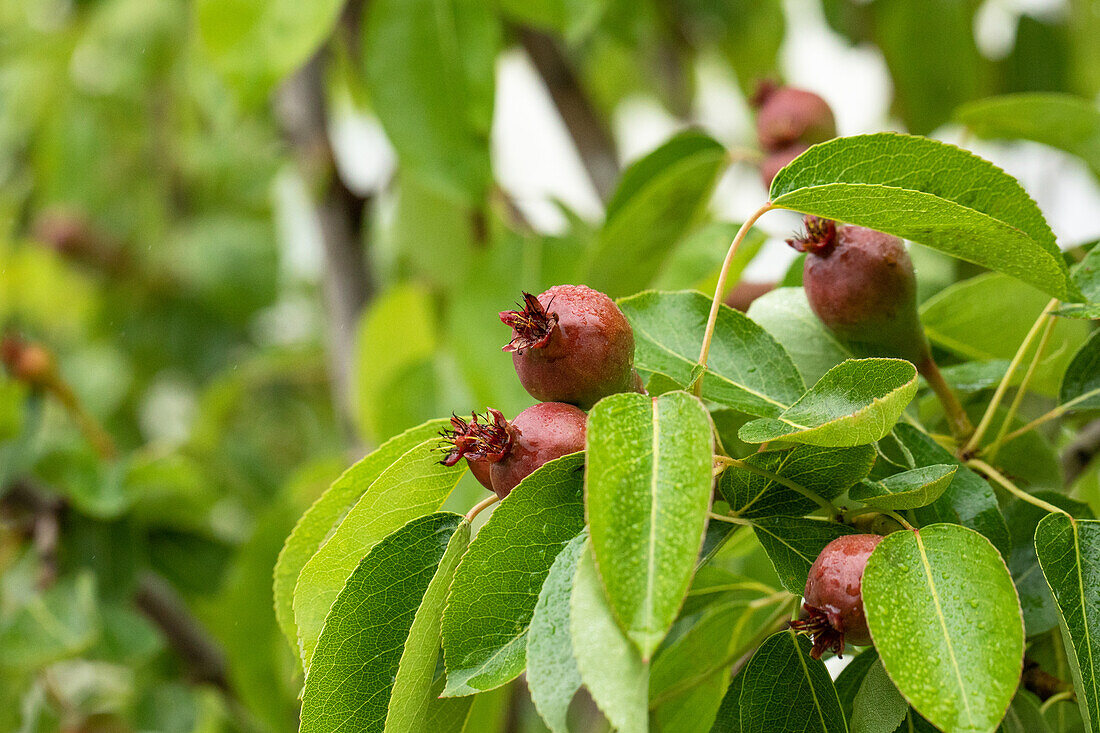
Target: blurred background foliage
261, 236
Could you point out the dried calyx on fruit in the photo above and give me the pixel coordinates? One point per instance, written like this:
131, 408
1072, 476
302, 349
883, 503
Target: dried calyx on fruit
502, 453
833, 607
572, 344
786, 116
861, 284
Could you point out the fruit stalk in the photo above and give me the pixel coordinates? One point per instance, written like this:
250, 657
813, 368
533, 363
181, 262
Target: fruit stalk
957, 418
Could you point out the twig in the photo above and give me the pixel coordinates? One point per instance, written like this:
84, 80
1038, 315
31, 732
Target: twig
590, 135
997, 476
302, 111
956, 415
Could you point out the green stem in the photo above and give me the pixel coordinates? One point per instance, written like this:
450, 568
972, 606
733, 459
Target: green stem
481, 505
1012, 488
987, 418
957, 418
1056, 697
730, 519
1021, 392
720, 289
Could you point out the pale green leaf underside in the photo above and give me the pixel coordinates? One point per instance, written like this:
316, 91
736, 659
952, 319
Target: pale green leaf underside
878, 706
363, 640
784, 690
414, 485
497, 585
310, 531
747, 370
946, 622
413, 695
609, 662
907, 490
1069, 554
932, 193
785, 313
552, 674
648, 487
857, 402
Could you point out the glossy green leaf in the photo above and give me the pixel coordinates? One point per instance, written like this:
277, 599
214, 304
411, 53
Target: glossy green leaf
361, 647
1069, 554
414, 485
1081, 384
1086, 274
785, 313
657, 200
932, 193
907, 490
808, 701
1061, 121
946, 622
1039, 607
497, 585
256, 43
855, 403
415, 693
430, 67
647, 488
552, 675
608, 661
747, 369
878, 707
988, 316
780, 482
968, 500
728, 718
328, 510
793, 543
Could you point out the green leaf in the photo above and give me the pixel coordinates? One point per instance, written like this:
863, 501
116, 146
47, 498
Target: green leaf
1081, 384
907, 490
855, 403
988, 316
312, 529
1024, 715
415, 692
785, 313
946, 622
766, 485
363, 642
396, 335
808, 701
747, 369
695, 262
932, 193
720, 635
430, 67
657, 200
497, 585
414, 485
255, 43
1022, 517
728, 719
609, 662
552, 674
793, 543
1086, 275
851, 678
1061, 121
1069, 554
647, 489
878, 706
968, 500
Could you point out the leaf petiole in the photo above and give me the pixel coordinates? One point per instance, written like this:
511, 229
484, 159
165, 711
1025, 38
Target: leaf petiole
1003, 482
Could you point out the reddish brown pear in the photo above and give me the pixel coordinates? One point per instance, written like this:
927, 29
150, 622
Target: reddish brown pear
861, 284
502, 453
833, 608
571, 344
786, 115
